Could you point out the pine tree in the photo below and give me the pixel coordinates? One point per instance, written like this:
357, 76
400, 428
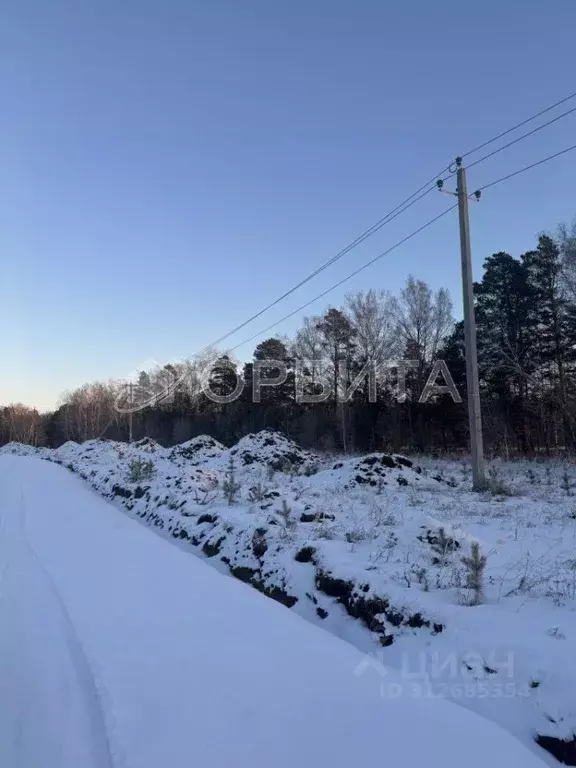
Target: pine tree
230, 486
505, 324
556, 324
475, 565
275, 401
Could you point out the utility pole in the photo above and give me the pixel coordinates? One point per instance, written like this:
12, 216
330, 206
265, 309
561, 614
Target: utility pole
472, 383
131, 388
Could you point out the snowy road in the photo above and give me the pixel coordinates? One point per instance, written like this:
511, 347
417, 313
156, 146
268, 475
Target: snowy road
119, 649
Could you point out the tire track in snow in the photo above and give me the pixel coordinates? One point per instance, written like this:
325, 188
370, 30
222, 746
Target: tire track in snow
99, 747
78, 656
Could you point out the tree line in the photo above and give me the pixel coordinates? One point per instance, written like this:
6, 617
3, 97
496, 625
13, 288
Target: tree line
526, 325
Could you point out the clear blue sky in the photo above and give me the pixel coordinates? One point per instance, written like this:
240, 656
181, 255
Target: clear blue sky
166, 168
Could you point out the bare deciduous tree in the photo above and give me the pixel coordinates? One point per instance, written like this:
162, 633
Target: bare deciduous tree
308, 346
372, 317
423, 318
21, 424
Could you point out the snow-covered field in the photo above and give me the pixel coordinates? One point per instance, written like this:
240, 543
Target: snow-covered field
119, 651
371, 549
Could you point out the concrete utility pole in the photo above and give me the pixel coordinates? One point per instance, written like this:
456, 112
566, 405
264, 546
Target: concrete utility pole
131, 387
474, 412
472, 383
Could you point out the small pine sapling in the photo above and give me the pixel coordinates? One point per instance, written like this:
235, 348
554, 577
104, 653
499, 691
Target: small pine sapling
257, 493
443, 545
288, 522
140, 470
230, 486
475, 565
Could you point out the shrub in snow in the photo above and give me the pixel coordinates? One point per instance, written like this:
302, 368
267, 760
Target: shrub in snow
298, 488
139, 470
204, 496
356, 535
475, 565
257, 493
325, 531
385, 550
381, 515
288, 522
422, 578
496, 484
230, 486
443, 545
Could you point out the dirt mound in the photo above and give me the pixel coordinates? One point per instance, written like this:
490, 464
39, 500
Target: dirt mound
148, 445
275, 451
197, 450
378, 470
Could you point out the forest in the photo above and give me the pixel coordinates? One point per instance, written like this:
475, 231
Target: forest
526, 326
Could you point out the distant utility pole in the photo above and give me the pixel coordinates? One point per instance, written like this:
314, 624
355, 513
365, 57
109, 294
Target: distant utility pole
472, 383
131, 388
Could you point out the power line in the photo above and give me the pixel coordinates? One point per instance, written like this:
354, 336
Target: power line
404, 206
348, 277
385, 253
519, 125
394, 213
378, 225
420, 193
528, 167
399, 209
390, 216
520, 138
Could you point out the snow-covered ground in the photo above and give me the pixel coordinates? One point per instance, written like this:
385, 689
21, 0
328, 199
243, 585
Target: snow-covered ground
119, 650
371, 549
